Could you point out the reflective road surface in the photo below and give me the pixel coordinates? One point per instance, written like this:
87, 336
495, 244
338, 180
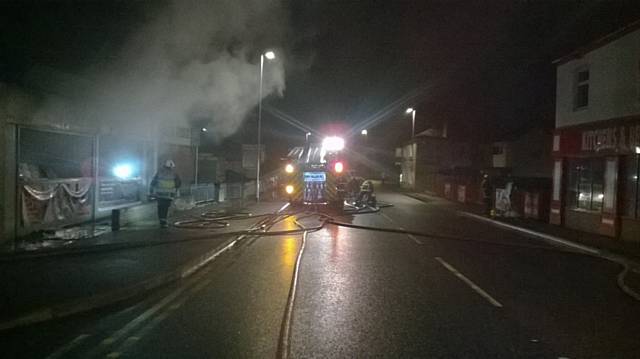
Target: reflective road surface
482, 292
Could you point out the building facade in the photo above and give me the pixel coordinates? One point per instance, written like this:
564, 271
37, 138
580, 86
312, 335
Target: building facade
61, 169
596, 145
426, 159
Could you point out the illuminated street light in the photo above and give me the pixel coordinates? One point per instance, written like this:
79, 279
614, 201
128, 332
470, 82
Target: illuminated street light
270, 56
204, 129
364, 132
413, 120
638, 150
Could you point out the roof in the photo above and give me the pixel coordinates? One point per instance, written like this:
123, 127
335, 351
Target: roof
599, 43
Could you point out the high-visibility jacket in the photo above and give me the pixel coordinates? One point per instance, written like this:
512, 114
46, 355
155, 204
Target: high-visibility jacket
366, 186
165, 184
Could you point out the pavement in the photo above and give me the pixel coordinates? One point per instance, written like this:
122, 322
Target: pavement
131, 235
627, 249
49, 283
456, 288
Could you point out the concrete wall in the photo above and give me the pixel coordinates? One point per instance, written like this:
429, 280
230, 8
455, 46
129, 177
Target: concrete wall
614, 83
15, 106
5, 193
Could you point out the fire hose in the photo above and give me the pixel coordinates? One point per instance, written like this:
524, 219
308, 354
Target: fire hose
217, 220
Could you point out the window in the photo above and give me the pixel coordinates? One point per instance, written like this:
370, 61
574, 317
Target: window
581, 96
585, 189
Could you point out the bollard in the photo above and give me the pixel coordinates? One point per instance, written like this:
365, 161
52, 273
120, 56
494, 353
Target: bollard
115, 220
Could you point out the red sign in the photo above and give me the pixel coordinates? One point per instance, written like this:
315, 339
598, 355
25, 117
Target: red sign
608, 138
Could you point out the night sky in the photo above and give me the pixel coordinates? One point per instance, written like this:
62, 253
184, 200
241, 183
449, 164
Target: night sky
482, 67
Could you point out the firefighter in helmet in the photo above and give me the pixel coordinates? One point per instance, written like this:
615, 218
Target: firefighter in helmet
366, 196
164, 187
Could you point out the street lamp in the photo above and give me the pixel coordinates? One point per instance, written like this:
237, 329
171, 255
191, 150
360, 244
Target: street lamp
270, 56
364, 132
413, 120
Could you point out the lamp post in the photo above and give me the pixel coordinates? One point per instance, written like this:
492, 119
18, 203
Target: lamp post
413, 120
270, 56
637, 177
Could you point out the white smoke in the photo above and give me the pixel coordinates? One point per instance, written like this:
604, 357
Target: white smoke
192, 61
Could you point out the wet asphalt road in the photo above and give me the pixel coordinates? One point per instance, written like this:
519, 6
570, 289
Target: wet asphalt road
492, 294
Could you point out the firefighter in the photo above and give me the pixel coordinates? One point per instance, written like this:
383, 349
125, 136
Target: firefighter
366, 193
164, 187
487, 194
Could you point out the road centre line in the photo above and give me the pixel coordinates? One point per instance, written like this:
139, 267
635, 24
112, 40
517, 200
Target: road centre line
470, 283
411, 236
68, 347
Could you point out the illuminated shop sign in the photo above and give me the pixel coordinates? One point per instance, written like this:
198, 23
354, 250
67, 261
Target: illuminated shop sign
617, 138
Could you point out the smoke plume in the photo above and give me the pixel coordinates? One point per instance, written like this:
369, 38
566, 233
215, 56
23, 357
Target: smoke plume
191, 62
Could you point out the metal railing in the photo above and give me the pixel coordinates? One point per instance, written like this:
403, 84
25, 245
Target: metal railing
200, 192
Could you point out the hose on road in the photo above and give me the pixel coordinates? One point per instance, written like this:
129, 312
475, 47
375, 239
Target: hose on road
217, 220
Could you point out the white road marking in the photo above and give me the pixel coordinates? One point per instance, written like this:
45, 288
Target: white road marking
468, 281
142, 317
387, 217
411, 236
284, 207
68, 347
532, 233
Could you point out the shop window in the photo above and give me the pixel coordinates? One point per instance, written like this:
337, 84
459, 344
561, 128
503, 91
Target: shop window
581, 95
631, 187
585, 189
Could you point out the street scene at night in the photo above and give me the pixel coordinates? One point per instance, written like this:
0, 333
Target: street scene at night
320, 179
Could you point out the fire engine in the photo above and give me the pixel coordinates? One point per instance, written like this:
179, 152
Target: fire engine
315, 174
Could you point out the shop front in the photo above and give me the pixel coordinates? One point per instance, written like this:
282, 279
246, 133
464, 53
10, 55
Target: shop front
56, 189
595, 178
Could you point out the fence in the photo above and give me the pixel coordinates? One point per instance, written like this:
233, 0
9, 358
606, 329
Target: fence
200, 192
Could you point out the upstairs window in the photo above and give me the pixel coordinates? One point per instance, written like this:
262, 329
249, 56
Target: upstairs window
581, 95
